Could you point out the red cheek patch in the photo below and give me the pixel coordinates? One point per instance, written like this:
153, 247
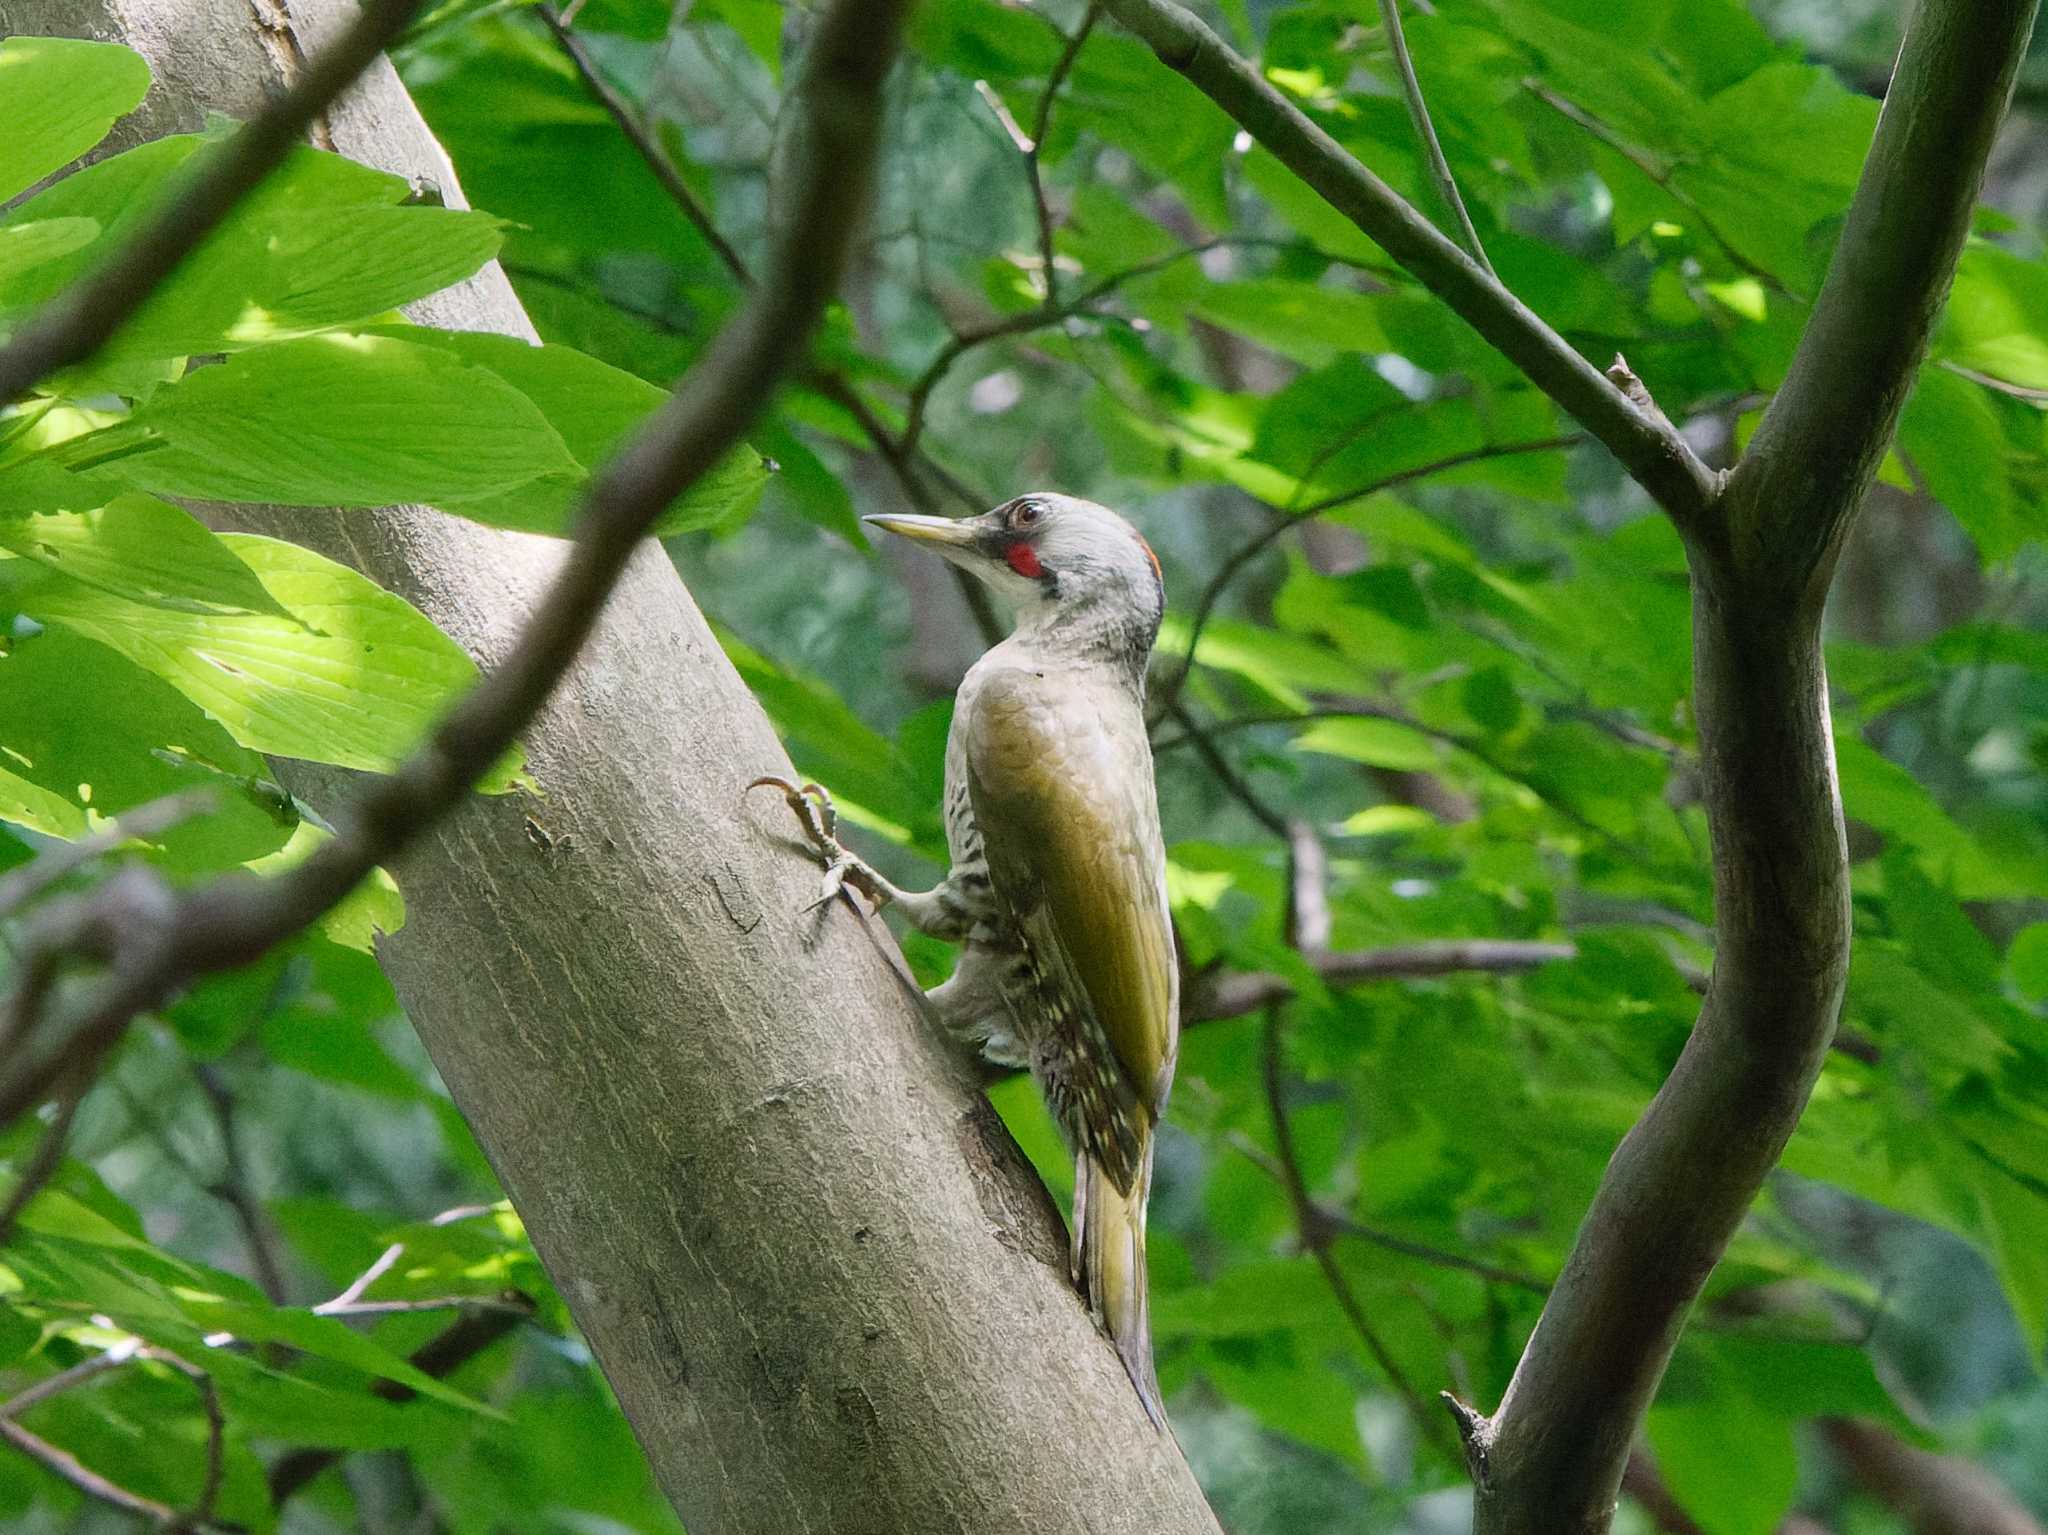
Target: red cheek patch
1024, 560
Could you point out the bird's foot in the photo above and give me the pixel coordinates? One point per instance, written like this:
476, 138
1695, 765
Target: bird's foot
814, 809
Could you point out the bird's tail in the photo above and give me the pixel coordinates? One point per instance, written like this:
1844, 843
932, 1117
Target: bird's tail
1109, 1259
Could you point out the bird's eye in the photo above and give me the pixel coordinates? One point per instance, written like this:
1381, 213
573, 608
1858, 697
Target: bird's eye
1026, 515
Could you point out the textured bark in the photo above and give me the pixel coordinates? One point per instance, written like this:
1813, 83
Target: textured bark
827, 1289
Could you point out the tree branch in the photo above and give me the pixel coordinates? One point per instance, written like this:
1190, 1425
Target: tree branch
62, 1463
80, 320
637, 134
1314, 1235
1656, 456
1552, 1457
1933, 1494
1233, 996
165, 939
1425, 133
1039, 126
1791, 499
233, 1189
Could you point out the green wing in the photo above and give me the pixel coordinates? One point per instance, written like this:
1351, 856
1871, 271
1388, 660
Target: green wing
1060, 778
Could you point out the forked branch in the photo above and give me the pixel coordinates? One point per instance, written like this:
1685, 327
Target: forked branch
1650, 450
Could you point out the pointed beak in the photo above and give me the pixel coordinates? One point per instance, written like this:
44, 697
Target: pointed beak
942, 531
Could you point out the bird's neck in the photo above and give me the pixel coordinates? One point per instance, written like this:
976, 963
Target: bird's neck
1095, 634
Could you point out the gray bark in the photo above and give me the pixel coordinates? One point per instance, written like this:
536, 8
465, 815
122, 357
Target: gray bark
829, 1292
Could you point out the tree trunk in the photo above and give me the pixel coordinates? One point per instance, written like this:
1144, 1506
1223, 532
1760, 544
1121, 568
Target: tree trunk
828, 1290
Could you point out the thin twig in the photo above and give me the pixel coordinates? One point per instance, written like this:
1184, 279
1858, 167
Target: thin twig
897, 457
1440, 1257
166, 937
49, 1154
76, 323
1036, 147
1258, 543
1659, 173
1425, 133
68, 1467
233, 1188
1051, 313
111, 1358
1315, 1240
642, 139
141, 824
350, 1301
404, 1307
440, 1356
124, 1352
1232, 781
1659, 460
1233, 996
1308, 891
201, 1512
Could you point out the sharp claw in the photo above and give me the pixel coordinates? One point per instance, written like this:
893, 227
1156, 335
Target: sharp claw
814, 808
827, 811
812, 805
834, 884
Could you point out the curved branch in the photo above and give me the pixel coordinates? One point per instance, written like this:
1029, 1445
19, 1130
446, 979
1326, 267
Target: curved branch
642, 139
1684, 1177
169, 939
1790, 501
1314, 1234
1933, 1494
1650, 450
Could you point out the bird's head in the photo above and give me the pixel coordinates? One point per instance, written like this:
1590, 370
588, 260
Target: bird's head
1061, 562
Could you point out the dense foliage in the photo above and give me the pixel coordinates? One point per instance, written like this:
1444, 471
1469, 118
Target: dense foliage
1412, 611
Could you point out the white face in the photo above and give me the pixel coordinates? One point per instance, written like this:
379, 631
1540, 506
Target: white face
1046, 552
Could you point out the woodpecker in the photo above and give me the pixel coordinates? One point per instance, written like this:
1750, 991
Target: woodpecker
1057, 890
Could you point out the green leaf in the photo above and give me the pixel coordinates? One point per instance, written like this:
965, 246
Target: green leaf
1490, 698
354, 676
62, 96
1950, 433
343, 421
131, 545
1731, 1467
24, 246
373, 908
1996, 318
323, 1337
86, 735
322, 242
2026, 962
1377, 743
595, 408
1879, 792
